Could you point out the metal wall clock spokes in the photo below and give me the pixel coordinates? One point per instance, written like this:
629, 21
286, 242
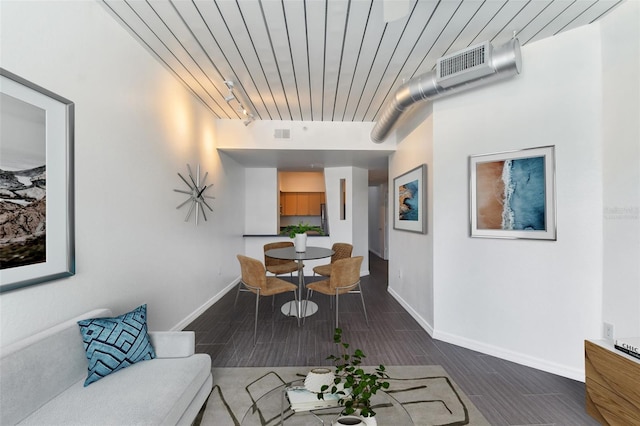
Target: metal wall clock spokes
196, 193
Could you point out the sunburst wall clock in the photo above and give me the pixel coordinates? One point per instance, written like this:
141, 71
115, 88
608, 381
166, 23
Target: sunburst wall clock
196, 193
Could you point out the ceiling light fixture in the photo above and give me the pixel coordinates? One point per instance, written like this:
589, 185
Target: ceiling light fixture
240, 109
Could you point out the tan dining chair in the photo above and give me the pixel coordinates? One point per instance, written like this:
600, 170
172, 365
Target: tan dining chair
345, 278
255, 280
340, 251
279, 266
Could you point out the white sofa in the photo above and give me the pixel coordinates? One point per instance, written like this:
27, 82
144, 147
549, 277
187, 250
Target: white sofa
42, 377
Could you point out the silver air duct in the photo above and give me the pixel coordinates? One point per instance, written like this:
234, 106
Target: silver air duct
472, 67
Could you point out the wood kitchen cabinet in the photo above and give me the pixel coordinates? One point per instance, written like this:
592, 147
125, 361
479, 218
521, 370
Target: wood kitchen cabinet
301, 203
289, 202
315, 199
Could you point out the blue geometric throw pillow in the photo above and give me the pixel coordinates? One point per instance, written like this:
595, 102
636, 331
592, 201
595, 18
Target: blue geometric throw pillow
115, 343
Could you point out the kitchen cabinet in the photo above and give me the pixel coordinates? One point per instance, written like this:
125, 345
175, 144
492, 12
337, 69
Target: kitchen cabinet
315, 199
301, 203
289, 202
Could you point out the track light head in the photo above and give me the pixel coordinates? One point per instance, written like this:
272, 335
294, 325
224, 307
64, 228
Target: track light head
248, 120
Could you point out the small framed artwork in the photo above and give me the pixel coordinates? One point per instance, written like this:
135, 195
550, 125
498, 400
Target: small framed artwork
513, 194
410, 195
36, 184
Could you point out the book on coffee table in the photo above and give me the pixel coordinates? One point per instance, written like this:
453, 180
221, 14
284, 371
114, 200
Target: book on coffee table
629, 345
301, 399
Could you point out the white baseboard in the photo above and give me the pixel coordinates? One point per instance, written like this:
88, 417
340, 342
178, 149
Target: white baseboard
423, 323
517, 357
209, 303
377, 253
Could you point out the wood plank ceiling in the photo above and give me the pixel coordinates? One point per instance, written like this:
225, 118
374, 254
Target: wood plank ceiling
327, 60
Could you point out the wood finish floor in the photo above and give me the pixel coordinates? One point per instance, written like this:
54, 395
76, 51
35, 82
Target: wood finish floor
506, 393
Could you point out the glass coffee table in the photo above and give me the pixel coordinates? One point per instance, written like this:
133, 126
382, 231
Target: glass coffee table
273, 409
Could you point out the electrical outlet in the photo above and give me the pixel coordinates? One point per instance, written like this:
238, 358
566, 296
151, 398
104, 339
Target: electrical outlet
608, 330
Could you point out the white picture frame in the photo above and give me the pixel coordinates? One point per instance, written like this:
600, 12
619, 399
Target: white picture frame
513, 195
22, 103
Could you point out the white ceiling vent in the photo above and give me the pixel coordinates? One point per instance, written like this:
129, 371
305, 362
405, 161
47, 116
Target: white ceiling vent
468, 64
282, 133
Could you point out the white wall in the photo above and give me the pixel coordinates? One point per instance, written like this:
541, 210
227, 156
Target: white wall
411, 259
344, 231
305, 135
360, 214
621, 157
262, 212
135, 128
530, 301
533, 302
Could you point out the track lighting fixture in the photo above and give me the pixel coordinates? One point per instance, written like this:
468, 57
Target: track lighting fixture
240, 109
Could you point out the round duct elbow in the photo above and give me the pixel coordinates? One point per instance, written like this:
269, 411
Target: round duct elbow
417, 89
495, 63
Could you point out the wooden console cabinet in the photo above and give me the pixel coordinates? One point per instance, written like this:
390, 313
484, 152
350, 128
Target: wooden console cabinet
612, 381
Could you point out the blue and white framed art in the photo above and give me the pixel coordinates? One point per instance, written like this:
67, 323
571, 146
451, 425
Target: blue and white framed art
513, 194
410, 200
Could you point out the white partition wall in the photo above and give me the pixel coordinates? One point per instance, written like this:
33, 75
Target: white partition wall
354, 228
261, 212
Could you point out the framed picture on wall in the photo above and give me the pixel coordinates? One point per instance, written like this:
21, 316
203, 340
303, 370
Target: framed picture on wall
36, 184
410, 200
513, 194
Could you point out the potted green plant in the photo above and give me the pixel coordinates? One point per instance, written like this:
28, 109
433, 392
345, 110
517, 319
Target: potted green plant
299, 234
352, 382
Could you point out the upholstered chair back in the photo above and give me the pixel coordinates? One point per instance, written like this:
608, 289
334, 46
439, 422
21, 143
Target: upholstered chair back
253, 272
345, 273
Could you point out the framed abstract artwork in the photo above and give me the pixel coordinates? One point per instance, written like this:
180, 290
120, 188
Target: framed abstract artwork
410, 195
36, 184
513, 194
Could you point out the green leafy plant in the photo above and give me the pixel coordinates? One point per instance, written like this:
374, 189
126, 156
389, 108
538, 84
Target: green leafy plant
300, 228
357, 386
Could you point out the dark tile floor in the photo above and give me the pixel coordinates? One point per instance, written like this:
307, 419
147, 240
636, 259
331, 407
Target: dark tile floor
505, 392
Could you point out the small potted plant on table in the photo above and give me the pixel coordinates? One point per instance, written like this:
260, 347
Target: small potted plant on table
299, 234
355, 386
